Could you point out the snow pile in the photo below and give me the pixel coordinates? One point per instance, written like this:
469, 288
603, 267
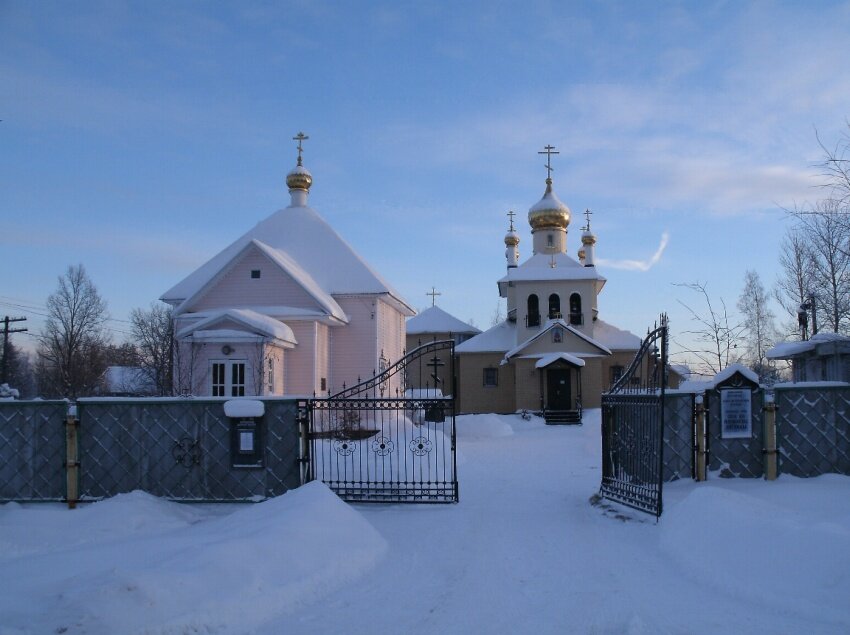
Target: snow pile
762, 551
6, 392
486, 426
243, 408
222, 574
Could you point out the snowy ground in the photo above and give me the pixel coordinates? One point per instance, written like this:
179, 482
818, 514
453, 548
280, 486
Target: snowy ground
523, 552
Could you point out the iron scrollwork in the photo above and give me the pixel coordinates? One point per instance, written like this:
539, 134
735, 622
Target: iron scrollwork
186, 452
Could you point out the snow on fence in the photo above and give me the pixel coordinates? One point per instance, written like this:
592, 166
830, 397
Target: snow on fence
174, 448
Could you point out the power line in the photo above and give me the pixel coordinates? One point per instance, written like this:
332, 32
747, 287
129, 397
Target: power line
4, 374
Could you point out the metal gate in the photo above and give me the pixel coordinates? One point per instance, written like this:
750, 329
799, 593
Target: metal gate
633, 428
391, 438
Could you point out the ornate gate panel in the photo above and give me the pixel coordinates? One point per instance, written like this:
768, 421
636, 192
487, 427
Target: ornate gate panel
633, 428
369, 445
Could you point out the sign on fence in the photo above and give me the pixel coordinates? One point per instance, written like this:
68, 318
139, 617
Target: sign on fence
736, 413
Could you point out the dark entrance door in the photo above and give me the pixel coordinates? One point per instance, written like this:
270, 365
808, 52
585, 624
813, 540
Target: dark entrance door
558, 389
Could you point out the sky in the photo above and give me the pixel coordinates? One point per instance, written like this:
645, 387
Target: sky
140, 139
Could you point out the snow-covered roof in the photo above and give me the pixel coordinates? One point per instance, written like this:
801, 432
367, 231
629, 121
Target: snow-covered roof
496, 339
681, 370
546, 360
614, 338
539, 267
435, 320
256, 322
549, 326
307, 239
282, 313
731, 369
786, 350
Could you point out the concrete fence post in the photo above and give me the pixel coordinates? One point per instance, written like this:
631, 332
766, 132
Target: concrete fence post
770, 462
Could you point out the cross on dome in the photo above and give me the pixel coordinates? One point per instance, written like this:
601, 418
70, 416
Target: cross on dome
511, 215
299, 138
433, 293
587, 214
549, 150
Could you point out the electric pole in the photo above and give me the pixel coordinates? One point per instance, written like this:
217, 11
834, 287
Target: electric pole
6, 331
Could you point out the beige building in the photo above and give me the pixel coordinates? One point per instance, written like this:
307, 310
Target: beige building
553, 353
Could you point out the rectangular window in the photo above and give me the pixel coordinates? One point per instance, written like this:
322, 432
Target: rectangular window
227, 378
255, 273
218, 379
324, 384
491, 376
237, 379
616, 373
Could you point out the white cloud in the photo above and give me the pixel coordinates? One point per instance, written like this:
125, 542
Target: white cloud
638, 265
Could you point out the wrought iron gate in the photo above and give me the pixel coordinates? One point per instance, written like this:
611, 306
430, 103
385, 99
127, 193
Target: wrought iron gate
633, 428
390, 438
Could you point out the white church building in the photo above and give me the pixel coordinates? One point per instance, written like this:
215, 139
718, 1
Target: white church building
288, 308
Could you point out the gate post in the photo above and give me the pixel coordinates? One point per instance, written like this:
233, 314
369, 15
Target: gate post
770, 466
699, 433
72, 462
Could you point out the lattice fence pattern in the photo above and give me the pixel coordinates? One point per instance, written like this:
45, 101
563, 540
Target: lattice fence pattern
678, 436
813, 430
180, 449
32, 450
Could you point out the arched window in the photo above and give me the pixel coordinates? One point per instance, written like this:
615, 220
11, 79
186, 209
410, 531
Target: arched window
554, 306
533, 317
575, 309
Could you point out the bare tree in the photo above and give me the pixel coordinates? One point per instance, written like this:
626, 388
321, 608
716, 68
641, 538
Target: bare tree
836, 168
796, 277
73, 339
153, 332
715, 338
497, 317
758, 323
829, 239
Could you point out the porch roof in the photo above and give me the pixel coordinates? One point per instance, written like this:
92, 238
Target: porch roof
551, 358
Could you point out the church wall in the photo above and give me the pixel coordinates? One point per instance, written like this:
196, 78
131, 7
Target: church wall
237, 288
564, 289
300, 371
391, 340
323, 357
592, 383
528, 380
354, 346
473, 396
619, 358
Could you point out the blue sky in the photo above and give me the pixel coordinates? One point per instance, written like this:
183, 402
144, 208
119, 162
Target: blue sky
141, 138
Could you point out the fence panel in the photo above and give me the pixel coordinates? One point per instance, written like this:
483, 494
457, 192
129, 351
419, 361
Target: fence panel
813, 430
742, 458
678, 436
180, 449
32, 450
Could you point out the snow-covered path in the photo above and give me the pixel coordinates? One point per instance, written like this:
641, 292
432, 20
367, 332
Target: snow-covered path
523, 552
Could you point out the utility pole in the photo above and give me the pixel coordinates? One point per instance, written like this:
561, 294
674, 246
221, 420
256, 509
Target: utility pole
6, 331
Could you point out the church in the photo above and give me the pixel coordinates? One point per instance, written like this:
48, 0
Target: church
554, 353
289, 308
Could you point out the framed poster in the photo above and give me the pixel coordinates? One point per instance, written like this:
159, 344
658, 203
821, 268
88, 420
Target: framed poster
736, 418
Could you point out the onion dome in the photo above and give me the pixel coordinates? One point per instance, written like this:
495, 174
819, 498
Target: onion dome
511, 239
549, 212
587, 238
581, 254
299, 178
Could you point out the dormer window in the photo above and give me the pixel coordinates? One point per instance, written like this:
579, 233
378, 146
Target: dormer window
255, 273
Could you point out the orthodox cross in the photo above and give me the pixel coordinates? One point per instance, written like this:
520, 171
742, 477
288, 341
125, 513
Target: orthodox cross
435, 363
549, 151
587, 214
299, 138
433, 293
511, 215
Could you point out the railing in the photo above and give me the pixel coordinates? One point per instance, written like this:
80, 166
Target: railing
576, 319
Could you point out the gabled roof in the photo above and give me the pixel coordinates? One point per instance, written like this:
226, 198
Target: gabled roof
549, 326
252, 321
287, 265
787, 350
496, 339
614, 338
539, 267
551, 358
435, 320
300, 234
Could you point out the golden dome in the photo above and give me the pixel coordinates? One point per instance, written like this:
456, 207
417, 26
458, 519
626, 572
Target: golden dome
581, 254
549, 212
300, 178
511, 239
588, 239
